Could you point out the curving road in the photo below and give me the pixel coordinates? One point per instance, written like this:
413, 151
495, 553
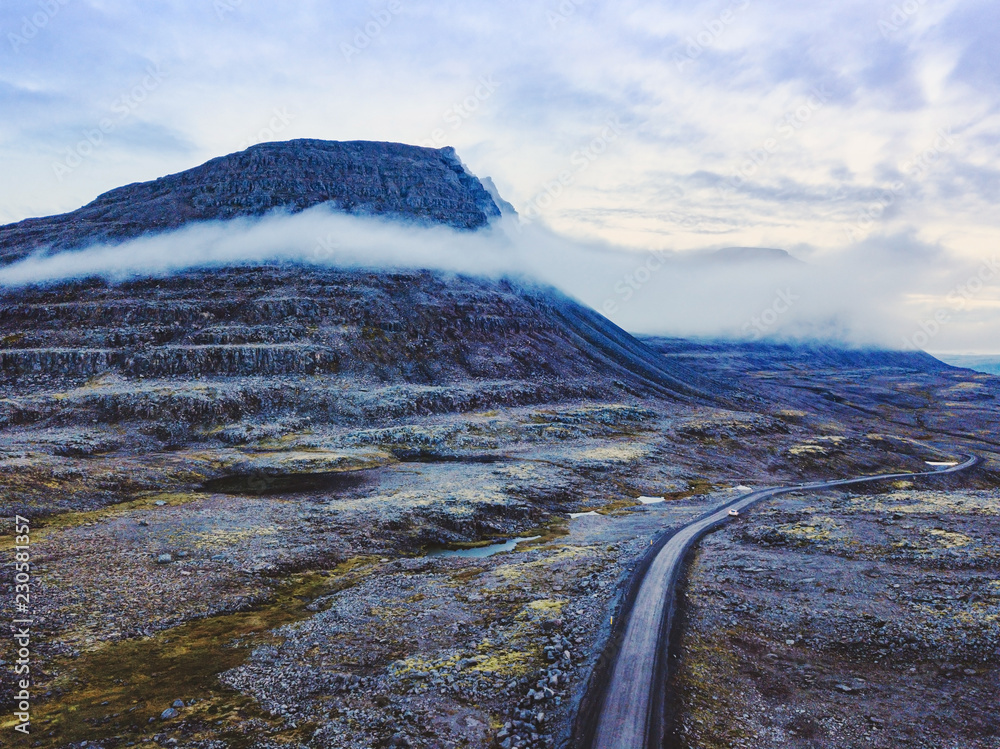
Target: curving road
629, 713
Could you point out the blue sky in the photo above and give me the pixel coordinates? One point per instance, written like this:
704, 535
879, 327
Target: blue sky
865, 130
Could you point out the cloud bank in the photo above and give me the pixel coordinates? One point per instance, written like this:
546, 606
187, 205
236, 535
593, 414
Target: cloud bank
864, 297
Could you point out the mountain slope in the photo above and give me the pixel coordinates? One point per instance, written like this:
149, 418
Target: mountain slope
206, 348
735, 358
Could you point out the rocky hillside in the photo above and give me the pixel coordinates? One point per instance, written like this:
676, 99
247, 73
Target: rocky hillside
383, 179
246, 345
213, 347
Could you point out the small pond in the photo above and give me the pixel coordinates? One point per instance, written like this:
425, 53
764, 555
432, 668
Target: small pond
480, 552
652, 500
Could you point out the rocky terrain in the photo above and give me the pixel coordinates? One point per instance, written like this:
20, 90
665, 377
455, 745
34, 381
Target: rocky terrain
285, 507
846, 620
251, 538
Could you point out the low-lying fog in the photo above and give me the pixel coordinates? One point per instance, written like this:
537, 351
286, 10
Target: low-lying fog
894, 293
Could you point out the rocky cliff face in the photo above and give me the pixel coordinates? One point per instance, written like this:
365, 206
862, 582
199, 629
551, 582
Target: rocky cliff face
382, 179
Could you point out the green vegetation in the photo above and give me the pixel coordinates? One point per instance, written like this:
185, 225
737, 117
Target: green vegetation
547, 533
710, 692
696, 488
41, 527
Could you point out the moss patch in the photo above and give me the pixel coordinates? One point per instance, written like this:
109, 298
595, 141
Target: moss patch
709, 690
114, 691
463, 576
949, 539
696, 488
546, 533
549, 609
41, 527
506, 663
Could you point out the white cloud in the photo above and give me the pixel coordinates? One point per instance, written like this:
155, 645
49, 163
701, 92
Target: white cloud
879, 293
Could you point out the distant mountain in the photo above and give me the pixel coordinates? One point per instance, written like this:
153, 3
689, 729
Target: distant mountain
782, 374
977, 362
734, 359
382, 179
752, 255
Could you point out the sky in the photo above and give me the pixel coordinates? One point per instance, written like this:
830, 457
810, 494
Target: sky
860, 136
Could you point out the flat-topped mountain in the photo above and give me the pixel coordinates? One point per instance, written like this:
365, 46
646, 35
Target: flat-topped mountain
291, 324
381, 179
734, 255
142, 351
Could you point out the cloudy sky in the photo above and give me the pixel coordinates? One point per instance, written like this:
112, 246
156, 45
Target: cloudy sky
860, 133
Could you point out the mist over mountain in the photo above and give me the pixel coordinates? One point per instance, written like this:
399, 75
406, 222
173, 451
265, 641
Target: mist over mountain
293, 261
360, 262
384, 206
